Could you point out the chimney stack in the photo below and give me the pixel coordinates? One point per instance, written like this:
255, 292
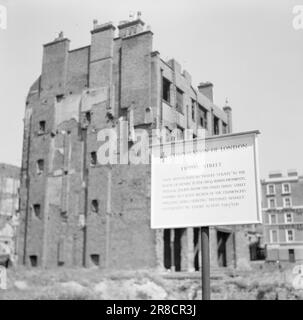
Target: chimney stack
206, 88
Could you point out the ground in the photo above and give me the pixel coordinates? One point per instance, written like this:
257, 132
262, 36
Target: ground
259, 282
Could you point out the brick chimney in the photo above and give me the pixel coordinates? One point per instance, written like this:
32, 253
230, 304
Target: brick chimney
206, 88
131, 27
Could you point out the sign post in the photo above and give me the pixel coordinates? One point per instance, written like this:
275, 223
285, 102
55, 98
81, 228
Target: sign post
205, 263
203, 183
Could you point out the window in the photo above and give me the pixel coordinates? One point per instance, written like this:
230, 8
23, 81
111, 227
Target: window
59, 97
193, 110
271, 189
95, 259
288, 217
272, 219
271, 203
37, 210
203, 117
224, 128
273, 236
286, 188
287, 202
166, 89
33, 261
42, 126
180, 133
88, 117
40, 166
179, 104
95, 206
216, 129
290, 235
167, 136
93, 158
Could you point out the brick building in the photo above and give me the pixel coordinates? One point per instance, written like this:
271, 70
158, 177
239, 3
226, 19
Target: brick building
78, 212
283, 216
9, 203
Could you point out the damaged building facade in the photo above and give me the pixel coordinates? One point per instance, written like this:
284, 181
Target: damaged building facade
77, 212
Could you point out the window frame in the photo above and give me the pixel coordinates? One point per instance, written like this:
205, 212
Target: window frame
293, 235
283, 188
268, 203
292, 217
284, 201
271, 235
268, 189
270, 218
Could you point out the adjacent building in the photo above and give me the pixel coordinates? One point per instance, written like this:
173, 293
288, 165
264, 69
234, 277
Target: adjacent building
75, 211
283, 216
9, 203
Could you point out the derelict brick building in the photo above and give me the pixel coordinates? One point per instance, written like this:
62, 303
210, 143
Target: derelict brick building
75, 211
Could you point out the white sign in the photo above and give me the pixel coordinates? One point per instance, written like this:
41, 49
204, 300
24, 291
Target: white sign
216, 184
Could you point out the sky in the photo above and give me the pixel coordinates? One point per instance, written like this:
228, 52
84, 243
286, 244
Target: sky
248, 49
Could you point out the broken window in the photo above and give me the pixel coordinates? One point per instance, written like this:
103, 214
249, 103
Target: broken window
37, 210
203, 117
88, 116
93, 158
95, 206
95, 258
59, 97
216, 126
42, 126
40, 166
33, 260
180, 133
166, 89
179, 104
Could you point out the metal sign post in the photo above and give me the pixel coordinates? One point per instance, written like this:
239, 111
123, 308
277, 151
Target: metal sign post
205, 263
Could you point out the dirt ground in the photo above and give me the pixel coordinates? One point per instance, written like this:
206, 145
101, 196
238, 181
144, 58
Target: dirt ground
259, 282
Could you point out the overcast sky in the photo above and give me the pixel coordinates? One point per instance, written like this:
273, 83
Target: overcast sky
247, 48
